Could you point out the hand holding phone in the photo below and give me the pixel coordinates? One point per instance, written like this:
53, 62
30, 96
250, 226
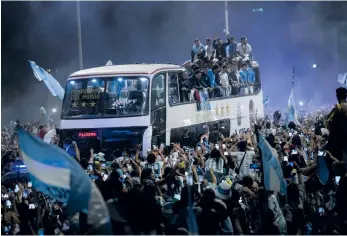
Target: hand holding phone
321, 153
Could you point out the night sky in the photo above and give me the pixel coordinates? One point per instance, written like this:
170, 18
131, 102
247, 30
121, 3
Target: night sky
284, 35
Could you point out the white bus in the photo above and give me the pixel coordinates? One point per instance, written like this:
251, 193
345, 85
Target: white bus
121, 106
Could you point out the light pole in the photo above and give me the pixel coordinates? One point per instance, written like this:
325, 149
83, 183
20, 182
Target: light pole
226, 17
79, 34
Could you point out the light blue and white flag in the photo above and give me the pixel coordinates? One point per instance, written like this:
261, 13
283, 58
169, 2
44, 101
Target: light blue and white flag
291, 110
272, 171
342, 79
53, 172
51, 83
266, 101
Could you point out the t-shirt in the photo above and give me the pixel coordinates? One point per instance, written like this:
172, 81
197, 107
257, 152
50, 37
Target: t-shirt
244, 169
156, 167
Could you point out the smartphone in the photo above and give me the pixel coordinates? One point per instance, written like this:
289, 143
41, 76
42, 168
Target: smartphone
155, 147
90, 167
74, 143
337, 179
321, 153
223, 146
162, 146
16, 189
199, 148
216, 146
290, 134
104, 177
285, 158
103, 165
32, 206
293, 152
25, 193
8, 203
6, 229
321, 211
30, 184
40, 232
290, 164
190, 180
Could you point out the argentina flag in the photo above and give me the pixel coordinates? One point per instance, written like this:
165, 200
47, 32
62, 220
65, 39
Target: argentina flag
53, 172
272, 171
51, 83
291, 110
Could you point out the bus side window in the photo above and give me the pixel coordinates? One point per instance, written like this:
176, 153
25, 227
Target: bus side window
158, 91
174, 96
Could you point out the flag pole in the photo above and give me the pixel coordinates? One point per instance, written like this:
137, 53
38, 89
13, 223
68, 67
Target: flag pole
293, 77
257, 128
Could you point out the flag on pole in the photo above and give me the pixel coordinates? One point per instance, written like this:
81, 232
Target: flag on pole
53, 172
266, 101
342, 79
51, 83
272, 171
291, 110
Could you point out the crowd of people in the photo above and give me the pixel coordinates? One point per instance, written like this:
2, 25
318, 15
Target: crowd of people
211, 188
218, 69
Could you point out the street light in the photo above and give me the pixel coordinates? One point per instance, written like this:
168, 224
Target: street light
314, 66
54, 110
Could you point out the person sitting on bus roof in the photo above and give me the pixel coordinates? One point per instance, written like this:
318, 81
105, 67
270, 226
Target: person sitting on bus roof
244, 49
220, 47
196, 80
204, 77
185, 86
212, 75
250, 78
224, 80
212, 78
231, 49
234, 79
198, 48
244, 79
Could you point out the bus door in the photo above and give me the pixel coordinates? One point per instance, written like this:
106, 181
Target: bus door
158, 110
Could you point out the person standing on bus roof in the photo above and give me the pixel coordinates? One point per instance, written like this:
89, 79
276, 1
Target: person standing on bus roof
198, 48
244, 49
220, 47
210, 51
231, 49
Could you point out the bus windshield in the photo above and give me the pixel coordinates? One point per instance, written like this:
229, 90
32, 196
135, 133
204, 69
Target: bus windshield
126, 96
106, 97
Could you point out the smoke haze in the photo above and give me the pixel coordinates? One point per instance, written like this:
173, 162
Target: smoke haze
284, 35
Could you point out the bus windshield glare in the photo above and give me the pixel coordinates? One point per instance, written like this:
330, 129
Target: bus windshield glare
106, 97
